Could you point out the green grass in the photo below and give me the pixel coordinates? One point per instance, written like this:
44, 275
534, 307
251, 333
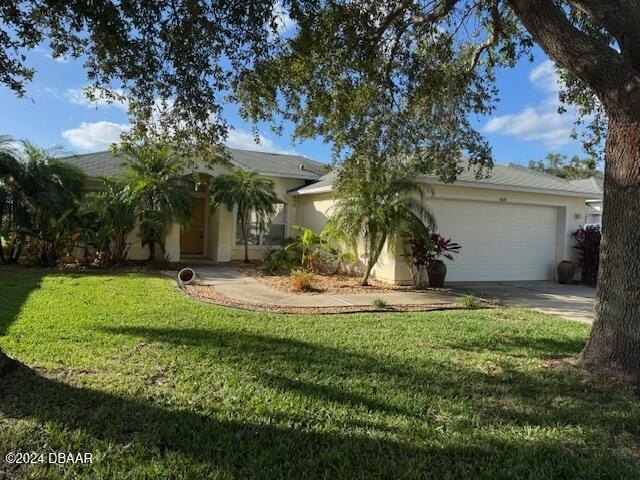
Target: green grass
157, 385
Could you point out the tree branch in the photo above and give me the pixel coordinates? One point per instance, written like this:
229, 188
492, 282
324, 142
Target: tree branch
620, 18
436, 14
613, 79
492, 38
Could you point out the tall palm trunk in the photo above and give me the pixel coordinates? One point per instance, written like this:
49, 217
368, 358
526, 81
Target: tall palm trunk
152, 250
245, 239
614, 343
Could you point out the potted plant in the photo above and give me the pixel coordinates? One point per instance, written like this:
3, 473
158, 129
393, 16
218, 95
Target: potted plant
420, 246
436, 268
427, 251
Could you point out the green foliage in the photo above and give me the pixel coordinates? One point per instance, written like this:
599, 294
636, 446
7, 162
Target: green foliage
321, 253
354, 72
254, 198
306, 245
40, 202
159, 187
377, 204
469, 301
565, 167
114, 209
340, 248
275, 261
379, 303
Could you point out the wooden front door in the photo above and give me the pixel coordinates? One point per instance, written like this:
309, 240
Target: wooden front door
192, 237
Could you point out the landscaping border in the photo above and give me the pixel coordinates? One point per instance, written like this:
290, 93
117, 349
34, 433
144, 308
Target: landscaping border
208, 294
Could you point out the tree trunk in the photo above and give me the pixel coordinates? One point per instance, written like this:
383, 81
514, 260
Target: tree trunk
245, 235
152, 250
614, 343
374, 254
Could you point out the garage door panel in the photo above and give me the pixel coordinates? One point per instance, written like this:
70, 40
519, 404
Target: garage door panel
499, 241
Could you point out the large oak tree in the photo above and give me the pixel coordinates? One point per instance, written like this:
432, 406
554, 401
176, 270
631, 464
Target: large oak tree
386, 79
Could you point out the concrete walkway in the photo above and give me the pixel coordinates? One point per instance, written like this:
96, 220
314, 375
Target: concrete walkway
240, 287
575, 302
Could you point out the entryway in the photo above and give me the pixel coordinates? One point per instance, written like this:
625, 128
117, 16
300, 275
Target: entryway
192, 238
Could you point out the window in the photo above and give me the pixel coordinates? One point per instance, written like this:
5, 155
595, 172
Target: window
274, 233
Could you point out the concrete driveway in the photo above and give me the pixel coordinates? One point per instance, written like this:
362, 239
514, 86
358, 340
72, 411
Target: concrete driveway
575, 302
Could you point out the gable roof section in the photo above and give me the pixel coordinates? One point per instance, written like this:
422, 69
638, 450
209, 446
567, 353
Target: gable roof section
501, 177
269, 164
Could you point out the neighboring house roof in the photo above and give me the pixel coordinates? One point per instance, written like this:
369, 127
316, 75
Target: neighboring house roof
593, 183
501, 177
269, 164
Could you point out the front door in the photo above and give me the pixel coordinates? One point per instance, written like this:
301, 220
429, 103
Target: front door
192, 237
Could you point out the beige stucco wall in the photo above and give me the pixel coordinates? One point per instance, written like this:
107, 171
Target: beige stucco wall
172, 245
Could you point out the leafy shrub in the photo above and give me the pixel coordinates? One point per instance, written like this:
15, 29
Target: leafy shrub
379, 303
301, 281
469, 301
275, 261
588, 245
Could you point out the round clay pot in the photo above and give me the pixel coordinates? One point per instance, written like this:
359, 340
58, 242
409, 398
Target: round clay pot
437, 272
566, 271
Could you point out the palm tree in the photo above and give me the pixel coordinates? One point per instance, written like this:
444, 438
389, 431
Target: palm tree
41, 197
116, 210
252, 195
378, 206
157, 183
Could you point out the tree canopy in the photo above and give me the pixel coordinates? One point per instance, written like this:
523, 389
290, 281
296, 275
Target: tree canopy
572, 168
383, 78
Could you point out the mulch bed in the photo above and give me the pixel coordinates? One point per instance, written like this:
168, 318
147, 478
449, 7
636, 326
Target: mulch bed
331, 284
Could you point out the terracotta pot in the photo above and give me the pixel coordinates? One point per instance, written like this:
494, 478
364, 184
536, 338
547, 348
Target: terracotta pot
566, 271
437, 272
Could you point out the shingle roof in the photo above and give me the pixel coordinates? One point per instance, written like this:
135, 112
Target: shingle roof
501, 176
270, 164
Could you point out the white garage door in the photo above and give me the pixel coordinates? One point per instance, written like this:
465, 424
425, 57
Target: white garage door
499, 241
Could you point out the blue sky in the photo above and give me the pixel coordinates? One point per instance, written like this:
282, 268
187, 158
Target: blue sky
54, 112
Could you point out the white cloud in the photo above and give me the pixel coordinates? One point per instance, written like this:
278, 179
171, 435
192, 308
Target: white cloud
540, 122
544, 77
78, 96
243, 140
95, 136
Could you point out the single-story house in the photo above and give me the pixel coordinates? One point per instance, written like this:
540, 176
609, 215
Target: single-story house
514, 225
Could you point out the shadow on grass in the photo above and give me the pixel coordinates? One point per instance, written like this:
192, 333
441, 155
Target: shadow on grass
16, 286
383, 384
204, 443
528, 345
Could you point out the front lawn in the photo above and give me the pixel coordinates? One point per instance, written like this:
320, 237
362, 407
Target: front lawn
157, 385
